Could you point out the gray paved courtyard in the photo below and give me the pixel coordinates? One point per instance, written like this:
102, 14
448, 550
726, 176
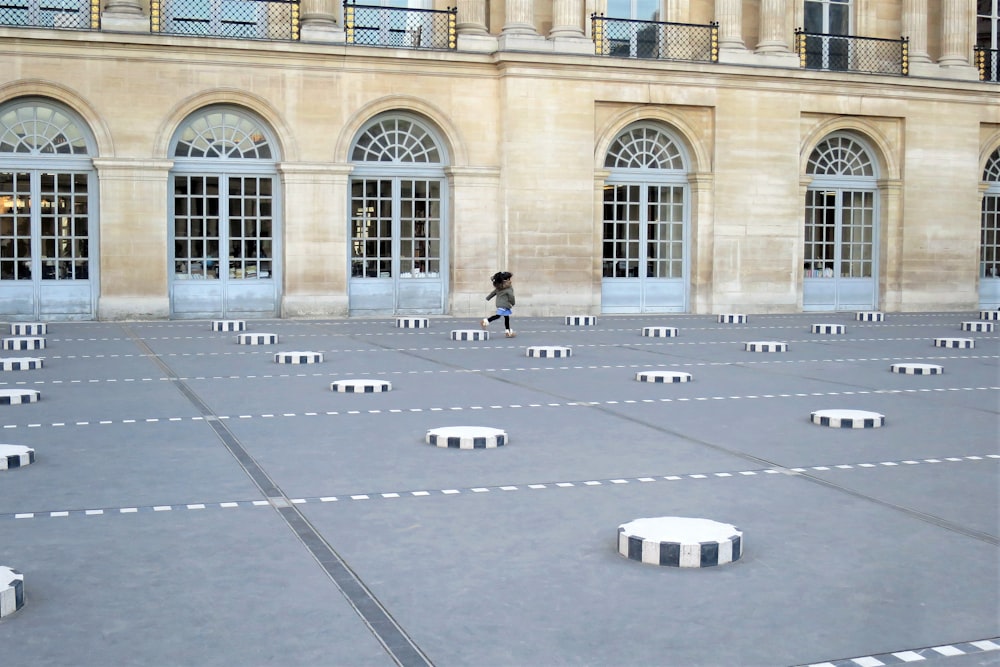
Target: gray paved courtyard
195, 503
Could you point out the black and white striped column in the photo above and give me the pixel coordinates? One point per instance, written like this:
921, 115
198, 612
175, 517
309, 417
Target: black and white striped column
15, 456
28, 328
549, 351
469, 334
24, 343
989, 314
298, 357
467, 437
360, 386
412, 322
958, 343
765, 346
680, 541
659, 332
19, 396
20, 363
916, 369
11, 592
229, 325
257, 339
732, 318
847, 419
869, 316
581, 320
829, 329
667, 377
977, 325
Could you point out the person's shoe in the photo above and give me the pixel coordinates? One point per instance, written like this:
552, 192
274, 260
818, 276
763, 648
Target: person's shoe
484, 323
510, 334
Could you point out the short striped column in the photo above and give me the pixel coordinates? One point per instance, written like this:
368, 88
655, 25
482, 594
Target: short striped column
361, 386
298, 358
11, 591
28, 328
24, 343
916, 369
869, 316
732, 318
229, 325
667, 377
960, 343
680, 541
412, 322
257, 338
19, 396
20, 363
467, 437
765, 346
581, 320
549, 351
469, 334
659, 332
15, 456
977, 325
829, 329
847, 419
989, 314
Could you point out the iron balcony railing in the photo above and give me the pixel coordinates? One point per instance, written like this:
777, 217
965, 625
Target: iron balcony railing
400, 28
849, 53
987, 62
233, 19
655, 40
59, 14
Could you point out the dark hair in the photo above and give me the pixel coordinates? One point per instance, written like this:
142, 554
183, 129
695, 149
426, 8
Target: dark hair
500, 276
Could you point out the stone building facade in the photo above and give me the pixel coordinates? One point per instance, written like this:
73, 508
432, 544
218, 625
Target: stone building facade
254, 158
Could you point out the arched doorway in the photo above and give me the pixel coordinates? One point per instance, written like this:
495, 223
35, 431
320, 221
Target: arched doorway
48, 213
398, 230
841, 227
989, 247
645, 223
224, 214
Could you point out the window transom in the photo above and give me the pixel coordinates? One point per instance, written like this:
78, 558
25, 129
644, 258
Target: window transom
644, 147
840, 156
40, 129
223, 134
992, 172
396, 140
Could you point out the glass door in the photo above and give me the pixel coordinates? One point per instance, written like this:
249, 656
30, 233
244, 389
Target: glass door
396, 246
840, 250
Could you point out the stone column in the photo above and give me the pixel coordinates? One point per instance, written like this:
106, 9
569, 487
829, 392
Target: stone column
956, 38
134, 234
566, 15
315, 239
915, 27
773, 34
729, 14
702, 241
890, 249
320, 22
476, 214
520, 17
124, 16
472, 17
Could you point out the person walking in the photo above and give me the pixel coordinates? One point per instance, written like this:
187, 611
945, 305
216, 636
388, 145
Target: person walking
504, 293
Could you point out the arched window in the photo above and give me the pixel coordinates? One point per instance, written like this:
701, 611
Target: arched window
398, 235
48, 228
396, 140
645, 217
840, 156
841, 226
225, 216
989, 249
40, 129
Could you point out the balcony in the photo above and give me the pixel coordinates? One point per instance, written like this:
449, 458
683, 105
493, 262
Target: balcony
58, 14
849, 53
655, 40
400, 28
987, 61
233, 19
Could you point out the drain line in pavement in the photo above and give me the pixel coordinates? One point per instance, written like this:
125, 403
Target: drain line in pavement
393, 638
